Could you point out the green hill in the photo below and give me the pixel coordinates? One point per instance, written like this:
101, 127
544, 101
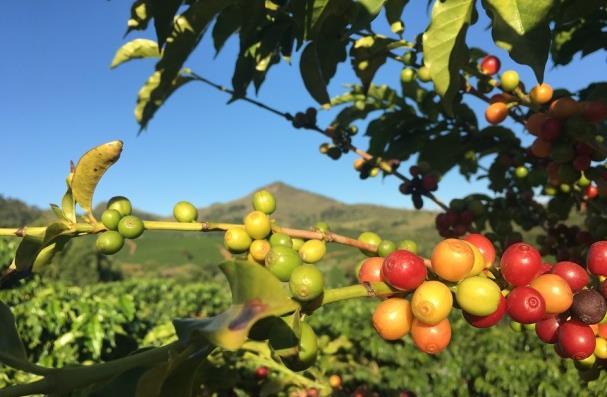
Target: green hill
188, 255
174, 254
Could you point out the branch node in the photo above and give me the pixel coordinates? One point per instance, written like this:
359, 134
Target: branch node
370, 291
20, 232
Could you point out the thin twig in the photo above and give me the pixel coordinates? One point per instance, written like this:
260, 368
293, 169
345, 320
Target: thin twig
287, 116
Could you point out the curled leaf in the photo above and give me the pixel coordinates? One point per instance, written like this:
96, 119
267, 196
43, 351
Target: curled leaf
135, 49
89, 170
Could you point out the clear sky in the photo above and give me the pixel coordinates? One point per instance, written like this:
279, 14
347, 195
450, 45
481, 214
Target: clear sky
59, 98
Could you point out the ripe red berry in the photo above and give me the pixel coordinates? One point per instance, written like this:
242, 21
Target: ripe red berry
520, 263
484, 245
430, 182
551, 130
261, 372
547, 329
594, 111
544, 268
490, 65
596, 260
525, 305
490, 319
591, 192
576, 339
603, 289
403, 270
575, 275
582, 162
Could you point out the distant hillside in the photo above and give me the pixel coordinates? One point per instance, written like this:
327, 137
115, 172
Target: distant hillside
15, 212
186, 254
302, 209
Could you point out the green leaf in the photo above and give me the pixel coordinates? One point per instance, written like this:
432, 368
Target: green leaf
163, 12
11, 348
312, 75
68, 205
256, 294
140, 17
188, 29
227, 23
394, 11
58, 212
152, 382
443, 152
89, 170
368, 54
373, 7
444, 43
135, 49
522, 28
34, 252
154, 94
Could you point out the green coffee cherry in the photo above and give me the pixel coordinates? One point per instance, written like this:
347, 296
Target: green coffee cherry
322, 227
281, 261
281, 239
130, 227
408, 245
110, 219
297, 243
264, 201
386, 247
237, 240
521, 172
306, 283
423, 73
109, 242
185, 211
312, 251
120, 204
259, 249
516, 327
257, 224
407, 75
369, 238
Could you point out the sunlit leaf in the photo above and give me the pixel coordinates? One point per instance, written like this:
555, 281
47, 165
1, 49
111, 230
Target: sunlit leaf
135, 49
444, 42
89, 170
394, 11
522, 28
153, 94
68, 205
368, 54
140, 17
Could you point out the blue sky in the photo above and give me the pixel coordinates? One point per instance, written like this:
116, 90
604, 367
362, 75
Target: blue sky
59, 98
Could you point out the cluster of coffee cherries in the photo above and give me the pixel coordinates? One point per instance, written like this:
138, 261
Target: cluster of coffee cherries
423, 299
305, 119
458, 219
558, 301
566, 131
121, 224
559, 131
566, 242
423, 180
292, 261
